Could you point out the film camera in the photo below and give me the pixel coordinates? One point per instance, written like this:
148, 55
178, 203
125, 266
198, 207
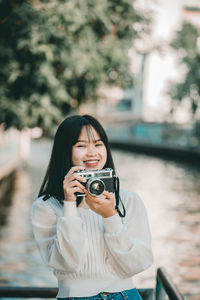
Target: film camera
98, 181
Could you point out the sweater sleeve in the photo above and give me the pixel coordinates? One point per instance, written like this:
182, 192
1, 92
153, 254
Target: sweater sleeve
129, 243
59, 238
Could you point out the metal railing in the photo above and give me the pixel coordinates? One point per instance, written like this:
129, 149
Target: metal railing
164, 287
27, 292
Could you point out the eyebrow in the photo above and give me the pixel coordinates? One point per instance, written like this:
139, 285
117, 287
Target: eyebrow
84, 141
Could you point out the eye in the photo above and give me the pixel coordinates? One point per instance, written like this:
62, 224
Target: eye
80, 146
99, 144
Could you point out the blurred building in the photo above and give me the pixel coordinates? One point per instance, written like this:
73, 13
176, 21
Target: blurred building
148, 99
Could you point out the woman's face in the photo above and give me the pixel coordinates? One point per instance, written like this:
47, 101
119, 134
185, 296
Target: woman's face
89, 151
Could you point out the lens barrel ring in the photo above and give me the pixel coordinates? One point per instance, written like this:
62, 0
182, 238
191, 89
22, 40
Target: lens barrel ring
95, 186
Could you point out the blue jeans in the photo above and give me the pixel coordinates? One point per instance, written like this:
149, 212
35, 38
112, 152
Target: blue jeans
128, 295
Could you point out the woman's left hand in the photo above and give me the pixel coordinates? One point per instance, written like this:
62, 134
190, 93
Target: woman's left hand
102, 205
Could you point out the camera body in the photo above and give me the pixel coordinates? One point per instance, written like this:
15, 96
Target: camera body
98, 181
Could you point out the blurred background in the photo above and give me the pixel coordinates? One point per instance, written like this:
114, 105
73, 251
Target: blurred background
135, 66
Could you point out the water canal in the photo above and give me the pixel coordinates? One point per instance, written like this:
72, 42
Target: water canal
171, 193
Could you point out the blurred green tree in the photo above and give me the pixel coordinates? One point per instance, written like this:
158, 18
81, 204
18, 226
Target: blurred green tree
55, 54
187, 45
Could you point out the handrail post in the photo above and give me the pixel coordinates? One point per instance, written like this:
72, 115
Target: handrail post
160, 292
165, 286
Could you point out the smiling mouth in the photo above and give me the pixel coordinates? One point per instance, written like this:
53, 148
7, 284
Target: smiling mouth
91, 162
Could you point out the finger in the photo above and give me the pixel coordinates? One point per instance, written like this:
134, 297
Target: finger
78, 177
76, 183
93, 199
72, 184
70, 193
73, 177
76, 168
108, 195
77, 189
90, 202
89, 197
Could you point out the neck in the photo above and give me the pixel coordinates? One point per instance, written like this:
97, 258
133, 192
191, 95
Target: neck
84, 204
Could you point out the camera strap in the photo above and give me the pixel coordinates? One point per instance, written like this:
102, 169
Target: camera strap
118, 199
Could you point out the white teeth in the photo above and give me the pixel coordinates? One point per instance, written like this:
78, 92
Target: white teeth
91, 161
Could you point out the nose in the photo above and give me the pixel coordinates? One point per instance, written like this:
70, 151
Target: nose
91, 150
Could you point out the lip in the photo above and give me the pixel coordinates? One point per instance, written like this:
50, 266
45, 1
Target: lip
91, 162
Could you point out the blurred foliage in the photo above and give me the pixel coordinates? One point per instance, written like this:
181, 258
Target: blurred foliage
187, 45
55, 54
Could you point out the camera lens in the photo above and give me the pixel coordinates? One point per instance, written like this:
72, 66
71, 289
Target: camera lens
95, 186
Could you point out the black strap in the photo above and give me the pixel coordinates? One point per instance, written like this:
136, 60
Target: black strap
118, 199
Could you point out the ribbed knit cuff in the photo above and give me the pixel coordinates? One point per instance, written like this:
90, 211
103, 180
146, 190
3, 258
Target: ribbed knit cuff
70, 209
113, 224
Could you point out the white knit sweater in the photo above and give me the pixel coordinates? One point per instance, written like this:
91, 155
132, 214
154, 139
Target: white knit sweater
91, 254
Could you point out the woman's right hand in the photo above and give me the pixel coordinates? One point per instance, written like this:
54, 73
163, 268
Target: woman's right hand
72, 184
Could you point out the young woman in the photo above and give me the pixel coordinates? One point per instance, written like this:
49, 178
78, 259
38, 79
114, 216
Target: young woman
93, 250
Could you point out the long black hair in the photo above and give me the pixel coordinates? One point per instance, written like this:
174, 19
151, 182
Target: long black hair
60, 162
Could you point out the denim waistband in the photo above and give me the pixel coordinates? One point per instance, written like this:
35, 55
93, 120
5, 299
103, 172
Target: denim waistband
131, 294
